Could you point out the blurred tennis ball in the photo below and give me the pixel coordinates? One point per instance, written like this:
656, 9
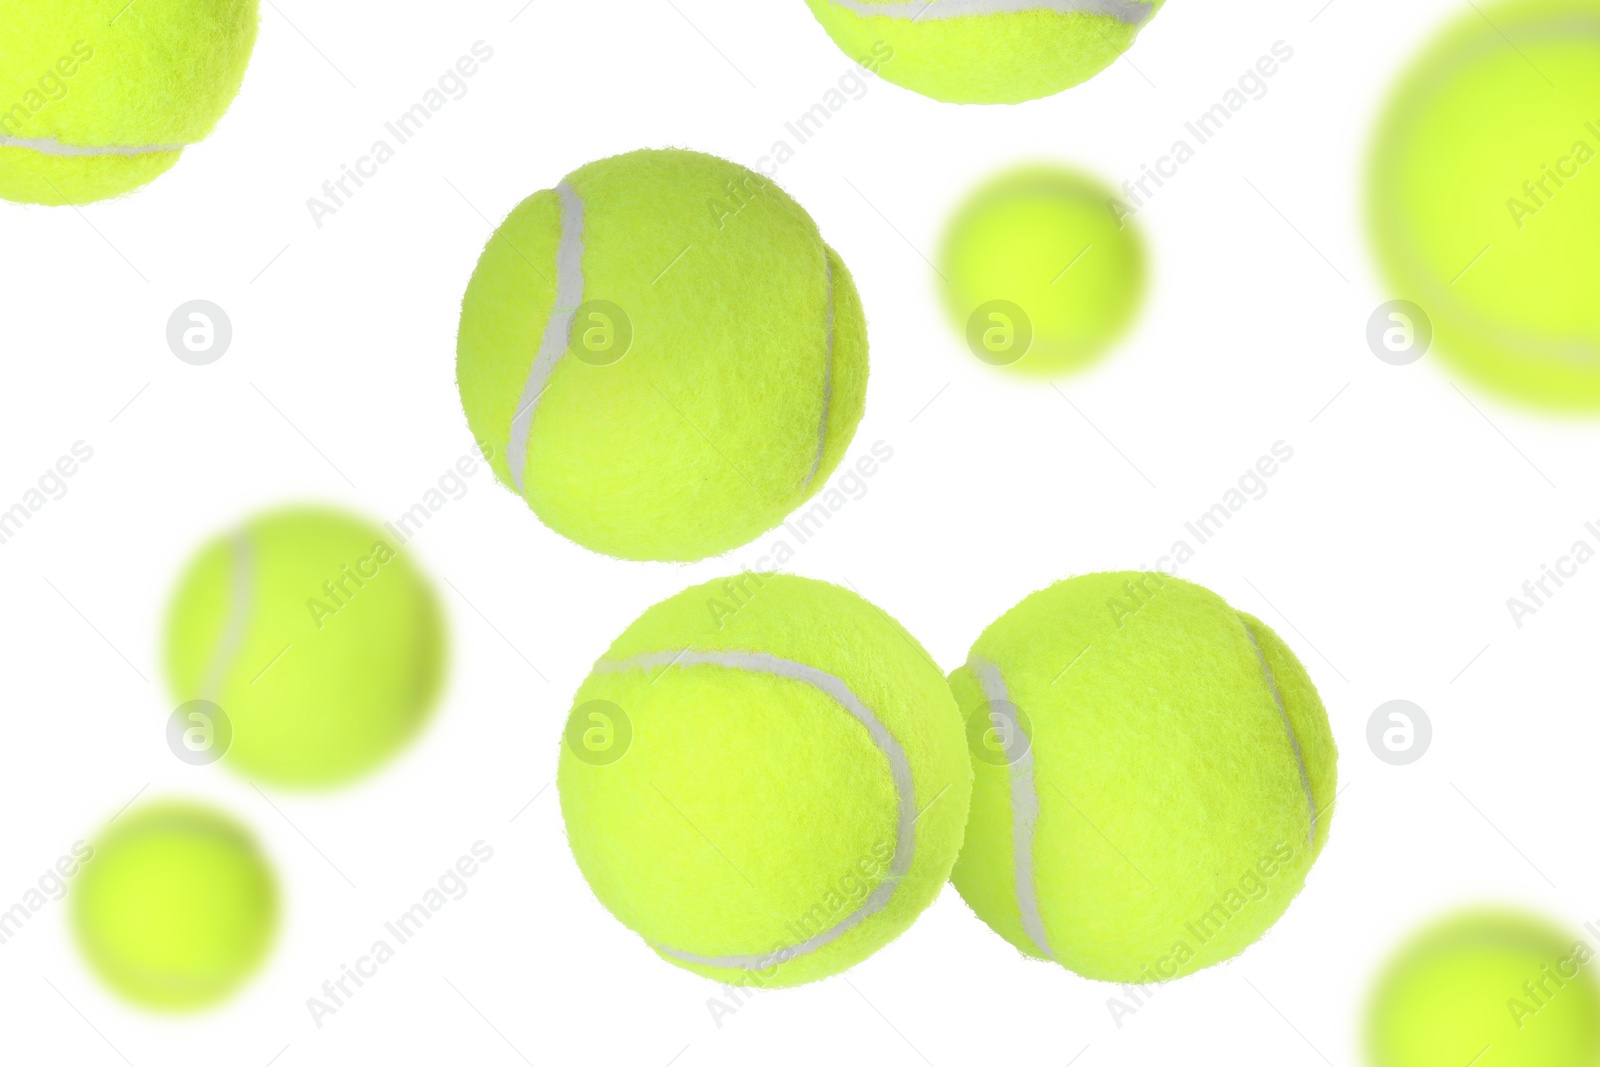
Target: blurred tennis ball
1041, 272
1490, 988
177, 906
1484, 198
316, 637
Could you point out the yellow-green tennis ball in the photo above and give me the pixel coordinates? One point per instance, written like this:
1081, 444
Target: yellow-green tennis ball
1041, 273
1154, 773
765, 778
985, 51
1484, 194
1491, 988
176, 907
318, 639
662, 355
98, 97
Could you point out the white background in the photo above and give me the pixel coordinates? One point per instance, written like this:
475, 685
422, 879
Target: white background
1384, 552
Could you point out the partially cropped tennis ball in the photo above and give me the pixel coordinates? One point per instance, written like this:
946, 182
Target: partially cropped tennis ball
1041, 273
663, 355
177, 906
318, 639
98, 97
1491, 988
985, 51
1484, 197
765, 778
1154, 773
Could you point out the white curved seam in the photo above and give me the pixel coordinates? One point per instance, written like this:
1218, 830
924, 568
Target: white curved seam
1288, 728
899, 769
1131, 12
51, 147
233, 628
557, 330
827, 380
1024, 800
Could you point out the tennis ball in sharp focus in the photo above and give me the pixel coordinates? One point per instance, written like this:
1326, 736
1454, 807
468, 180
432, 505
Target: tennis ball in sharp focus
1041, 273
1153, 777
765, 778
985, 51
176, 907
98, 97
317, 638
1484, 193
663, 355
1492, 988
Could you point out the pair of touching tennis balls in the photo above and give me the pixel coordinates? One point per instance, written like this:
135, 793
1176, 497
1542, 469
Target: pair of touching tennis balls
768, 779
663, 357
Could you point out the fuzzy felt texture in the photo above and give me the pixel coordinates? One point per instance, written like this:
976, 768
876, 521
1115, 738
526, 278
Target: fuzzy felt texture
705, 434
177, 906
981, 59
1173, 824
1484, 198
100, 74
1456, 994
323, 645
752, 811
1045, 239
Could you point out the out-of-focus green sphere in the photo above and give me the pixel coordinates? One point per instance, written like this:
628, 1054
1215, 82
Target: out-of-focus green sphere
318, 638
1489, 989
1484, 198
177, 907
1041, 275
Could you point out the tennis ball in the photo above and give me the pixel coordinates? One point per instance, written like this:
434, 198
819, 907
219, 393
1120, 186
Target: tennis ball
1153, 777
317, 638
985, 51
176, 907
1484, 198
1041, 272
663, 355
765, 778
1492, 988
99, 97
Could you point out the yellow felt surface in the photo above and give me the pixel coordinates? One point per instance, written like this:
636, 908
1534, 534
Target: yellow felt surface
1173, 823
752, 811
105, 73
981, 59
705, 433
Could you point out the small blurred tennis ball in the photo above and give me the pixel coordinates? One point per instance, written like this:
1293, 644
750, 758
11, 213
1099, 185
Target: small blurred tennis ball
1041, 272
177, 907
1484, 192
317, 638
1491, 988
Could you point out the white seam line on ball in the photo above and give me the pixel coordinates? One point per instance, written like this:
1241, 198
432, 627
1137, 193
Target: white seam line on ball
50, 147
1288, 728
827, 376
231, 640
1024, 802
557, 329
1131, 12
899, 769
